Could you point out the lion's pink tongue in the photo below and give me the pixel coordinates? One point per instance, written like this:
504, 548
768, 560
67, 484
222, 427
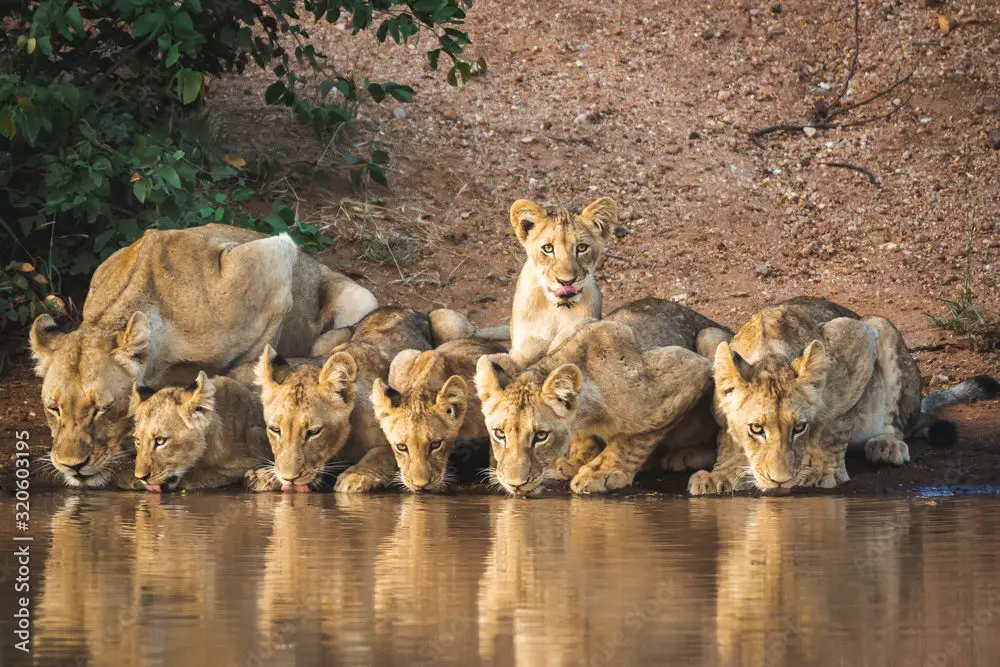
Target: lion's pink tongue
154, 488
302, 488
286, 487
567, 290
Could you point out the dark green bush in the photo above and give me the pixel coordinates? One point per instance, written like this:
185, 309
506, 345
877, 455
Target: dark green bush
101, 135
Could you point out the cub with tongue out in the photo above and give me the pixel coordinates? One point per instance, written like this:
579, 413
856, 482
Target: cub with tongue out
556, 290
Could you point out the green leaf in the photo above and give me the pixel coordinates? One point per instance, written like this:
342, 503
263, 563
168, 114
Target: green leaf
432, 58
45, 45
376, 91
169, 176
173, 55
188, 85
401, 93
379, 156
147, 24
141, 189
377, 174
75, 20
195, 5
275, 92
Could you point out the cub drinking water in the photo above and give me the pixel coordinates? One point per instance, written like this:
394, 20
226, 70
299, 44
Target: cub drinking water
426, 407
206, 435
805, 380
318, 410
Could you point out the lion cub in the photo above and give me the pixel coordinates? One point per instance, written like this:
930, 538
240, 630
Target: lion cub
805, 380
318, 410
425, 408
206, 435
556, 288
597, 384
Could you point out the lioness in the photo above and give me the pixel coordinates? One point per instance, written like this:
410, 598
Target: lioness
598, 384
425, 408
174, 302
206, 435
312, 412
802, 382
556, 288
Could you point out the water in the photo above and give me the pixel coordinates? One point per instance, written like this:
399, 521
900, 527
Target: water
210, 579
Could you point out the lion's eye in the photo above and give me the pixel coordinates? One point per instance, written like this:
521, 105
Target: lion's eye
499, 435
582, 248
800, 427
274, 429
435, 445
402, 449
548, 249
756, 429
159, 441
53, 408
540, 436
313, 432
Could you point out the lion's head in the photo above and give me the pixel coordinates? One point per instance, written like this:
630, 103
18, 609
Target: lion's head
307, 411
422, 420
87, 378
564, 249
171, 430
770, 408
529, 418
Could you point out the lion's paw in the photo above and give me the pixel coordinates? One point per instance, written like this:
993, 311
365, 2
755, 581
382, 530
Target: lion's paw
355, 481
598, 479
687, 459
887, 449
565, 468
705, 483
823, 477
261, 480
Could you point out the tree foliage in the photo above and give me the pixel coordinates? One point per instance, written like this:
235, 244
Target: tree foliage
102, 135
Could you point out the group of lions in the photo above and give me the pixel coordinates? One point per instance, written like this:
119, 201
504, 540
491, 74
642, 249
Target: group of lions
295, 368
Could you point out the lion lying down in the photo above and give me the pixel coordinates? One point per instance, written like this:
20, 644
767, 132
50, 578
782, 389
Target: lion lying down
172, 303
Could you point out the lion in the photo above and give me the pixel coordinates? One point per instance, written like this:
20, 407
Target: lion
425, 408
805, 380
599, 384
202, 436
315, 411
557, 287
172, 303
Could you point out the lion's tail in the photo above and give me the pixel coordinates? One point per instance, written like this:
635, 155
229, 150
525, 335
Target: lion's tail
493, 333
944, 433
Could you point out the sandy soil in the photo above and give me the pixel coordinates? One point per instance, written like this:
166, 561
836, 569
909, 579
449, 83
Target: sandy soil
651, 102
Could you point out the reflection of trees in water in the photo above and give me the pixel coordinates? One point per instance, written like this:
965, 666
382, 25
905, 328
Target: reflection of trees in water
284, 579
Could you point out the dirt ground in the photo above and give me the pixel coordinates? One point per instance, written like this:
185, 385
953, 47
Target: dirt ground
652, 102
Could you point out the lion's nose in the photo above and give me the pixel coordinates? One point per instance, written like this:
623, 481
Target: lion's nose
143, 478
566, 283
79, 466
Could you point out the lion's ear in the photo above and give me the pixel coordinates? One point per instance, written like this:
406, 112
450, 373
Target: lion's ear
140, 394
602, 215
452, 399
264, 372
384, 399
524, 215
491, 376
339, 373
811, 365
45, 337
561, 389
132, 343
198, 398
726, 370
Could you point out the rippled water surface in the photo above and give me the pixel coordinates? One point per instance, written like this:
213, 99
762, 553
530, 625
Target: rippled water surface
210, 579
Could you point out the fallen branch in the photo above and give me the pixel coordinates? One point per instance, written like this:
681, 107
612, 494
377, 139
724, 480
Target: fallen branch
860, 168
825, 113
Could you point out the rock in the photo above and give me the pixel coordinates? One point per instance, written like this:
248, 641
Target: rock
946, 23
765, 270
724, 96
400, 112
739, 295
938, 380
891, 247
449, 115
682, 298
809, 131
483, 298
582, 118
527, 140
993, 140
673, 150
621, 231
694, 135
777, 8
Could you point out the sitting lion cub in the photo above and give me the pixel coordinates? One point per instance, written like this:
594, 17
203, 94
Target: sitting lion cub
598, 383
802, 382
556, 288
207, 435
426, 407
318, 410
